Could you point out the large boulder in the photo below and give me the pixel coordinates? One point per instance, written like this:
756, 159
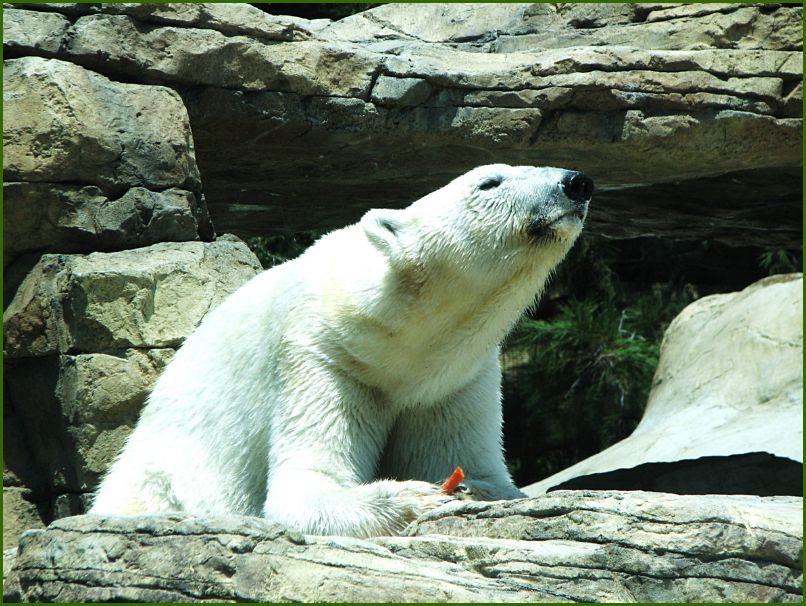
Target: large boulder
66, 218
64, 123
149, 297
567, 546
695, 111
85, 338
77, 411
726, 409
90, 165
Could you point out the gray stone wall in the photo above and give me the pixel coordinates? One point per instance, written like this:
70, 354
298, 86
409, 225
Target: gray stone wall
110, 261
693, 110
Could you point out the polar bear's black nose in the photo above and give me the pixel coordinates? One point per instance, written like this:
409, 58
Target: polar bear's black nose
577, 186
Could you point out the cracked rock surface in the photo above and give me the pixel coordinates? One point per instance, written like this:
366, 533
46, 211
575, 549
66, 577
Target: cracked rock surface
563, 547
680, 107
88, 163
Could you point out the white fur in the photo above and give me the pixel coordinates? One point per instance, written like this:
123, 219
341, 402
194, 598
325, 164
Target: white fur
373, 355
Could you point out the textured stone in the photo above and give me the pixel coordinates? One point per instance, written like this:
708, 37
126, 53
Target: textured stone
729, 383
230, 18
654, 101
25, 492
19, 514
149, 297
656, 124
78, 410
85, 339
569, 546
54, 217
70, 504
539, 26
402, 92
115, 43
33, 32
638, 155
63, 123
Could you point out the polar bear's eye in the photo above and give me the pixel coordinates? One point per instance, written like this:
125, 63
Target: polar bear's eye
490, 182
388, 226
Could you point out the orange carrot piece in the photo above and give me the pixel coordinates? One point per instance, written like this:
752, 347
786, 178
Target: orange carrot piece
453, 481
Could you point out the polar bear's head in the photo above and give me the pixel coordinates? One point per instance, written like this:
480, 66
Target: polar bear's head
495, 218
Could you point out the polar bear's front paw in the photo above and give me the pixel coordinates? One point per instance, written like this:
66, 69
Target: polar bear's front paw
407, 501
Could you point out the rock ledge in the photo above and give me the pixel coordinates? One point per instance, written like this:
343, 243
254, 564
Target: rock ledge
565, 546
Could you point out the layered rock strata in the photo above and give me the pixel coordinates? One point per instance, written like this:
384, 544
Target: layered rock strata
694, 110
564, 547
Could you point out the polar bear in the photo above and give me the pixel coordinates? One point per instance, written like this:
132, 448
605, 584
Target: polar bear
333, 392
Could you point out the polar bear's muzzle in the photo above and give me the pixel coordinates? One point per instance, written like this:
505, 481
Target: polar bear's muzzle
578, 187
563, 216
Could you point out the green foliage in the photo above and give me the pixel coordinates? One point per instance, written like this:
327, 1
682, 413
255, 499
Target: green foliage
780, 261
277, 249
577, 381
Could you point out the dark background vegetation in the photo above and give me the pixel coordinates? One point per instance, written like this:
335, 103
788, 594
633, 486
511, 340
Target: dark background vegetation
578, 368
328, 10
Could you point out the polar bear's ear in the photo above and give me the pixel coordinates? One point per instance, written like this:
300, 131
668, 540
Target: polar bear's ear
383, 227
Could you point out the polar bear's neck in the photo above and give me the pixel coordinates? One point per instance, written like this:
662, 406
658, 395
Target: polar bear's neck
429, 327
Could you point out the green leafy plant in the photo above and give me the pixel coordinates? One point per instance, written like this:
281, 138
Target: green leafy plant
279, 248
780, 261
578, 380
